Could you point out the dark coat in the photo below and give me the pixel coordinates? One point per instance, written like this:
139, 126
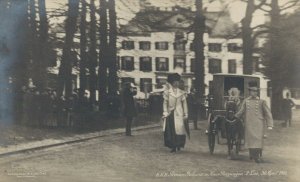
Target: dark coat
193, 106
287, 105
129, 109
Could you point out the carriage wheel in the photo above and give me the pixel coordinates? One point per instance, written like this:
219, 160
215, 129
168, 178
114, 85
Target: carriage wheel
211, 135
211, 142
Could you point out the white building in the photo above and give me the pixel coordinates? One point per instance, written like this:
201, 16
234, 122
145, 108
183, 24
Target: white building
147, 59
159, 41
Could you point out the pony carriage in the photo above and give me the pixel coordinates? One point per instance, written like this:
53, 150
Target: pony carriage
227, 92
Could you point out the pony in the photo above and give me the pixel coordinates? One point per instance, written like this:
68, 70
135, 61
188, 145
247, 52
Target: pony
233, 128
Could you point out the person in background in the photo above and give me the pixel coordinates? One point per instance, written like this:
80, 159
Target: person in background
175, 112
128, 105
256, 113
36, 109
62, 111
193, 106
287, 105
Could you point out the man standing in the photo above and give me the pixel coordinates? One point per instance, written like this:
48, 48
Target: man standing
129, 109
287, 105
193, 107
256, 113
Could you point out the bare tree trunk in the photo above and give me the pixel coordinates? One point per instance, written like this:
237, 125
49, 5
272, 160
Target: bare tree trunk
247, 38
65, 70
103, 59
83, 53
199, 26
113, 80
34, 69
16, 66
275, 63
19, 64
43, 43
93, 54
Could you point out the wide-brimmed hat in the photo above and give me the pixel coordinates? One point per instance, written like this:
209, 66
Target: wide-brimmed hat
253, 86
173, 77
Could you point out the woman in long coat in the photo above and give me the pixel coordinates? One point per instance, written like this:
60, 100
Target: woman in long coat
256, 113
175, 112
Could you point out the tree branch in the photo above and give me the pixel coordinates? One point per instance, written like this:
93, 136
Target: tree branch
263, 2
289, 5
268, 11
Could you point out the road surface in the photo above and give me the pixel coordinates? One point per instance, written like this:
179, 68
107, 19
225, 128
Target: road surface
144, 158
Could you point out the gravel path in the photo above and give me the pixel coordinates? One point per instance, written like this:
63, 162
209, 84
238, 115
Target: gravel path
144, 158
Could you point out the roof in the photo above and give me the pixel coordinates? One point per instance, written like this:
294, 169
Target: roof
218, 24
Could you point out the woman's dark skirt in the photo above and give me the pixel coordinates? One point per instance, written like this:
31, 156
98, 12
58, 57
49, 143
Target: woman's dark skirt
171, 139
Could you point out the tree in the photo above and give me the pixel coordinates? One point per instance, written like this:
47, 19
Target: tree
113, 80
16, 62
102, 72
65, 69
247, 35
199, 29
45, 49
288, 57
83, 53
34, 69
93, 53
276, 64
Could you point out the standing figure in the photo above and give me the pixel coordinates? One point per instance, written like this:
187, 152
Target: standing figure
36, 109
193, 106
175, 113
287, 105
256, 113
129, 109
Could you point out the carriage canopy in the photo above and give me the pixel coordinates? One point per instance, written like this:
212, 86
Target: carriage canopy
226, 85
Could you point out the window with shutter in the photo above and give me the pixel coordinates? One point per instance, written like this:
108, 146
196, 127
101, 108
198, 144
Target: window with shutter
231, 66
162, 64
214, 47
145, 64
145, 45
214, 66
161, 45
127, 45
127, 63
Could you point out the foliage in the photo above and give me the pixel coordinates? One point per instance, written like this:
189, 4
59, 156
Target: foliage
287, 69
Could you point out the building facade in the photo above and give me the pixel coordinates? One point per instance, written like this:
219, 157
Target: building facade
146, 60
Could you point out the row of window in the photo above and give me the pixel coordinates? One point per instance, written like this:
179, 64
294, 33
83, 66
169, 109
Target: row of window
146, 83
146, 45
162, 64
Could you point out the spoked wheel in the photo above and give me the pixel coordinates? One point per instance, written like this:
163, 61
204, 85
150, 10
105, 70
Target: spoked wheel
211, 142
211, 135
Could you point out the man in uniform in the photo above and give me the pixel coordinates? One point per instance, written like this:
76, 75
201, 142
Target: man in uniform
256, 113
